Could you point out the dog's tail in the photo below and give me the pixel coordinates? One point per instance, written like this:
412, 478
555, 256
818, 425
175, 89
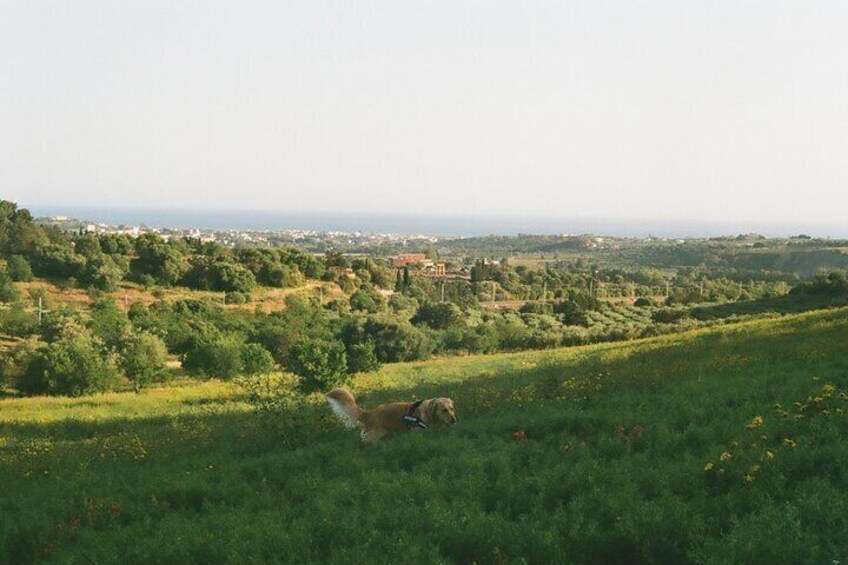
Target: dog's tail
344, 406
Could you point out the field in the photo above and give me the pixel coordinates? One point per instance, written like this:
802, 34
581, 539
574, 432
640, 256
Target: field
722, 445
266, 299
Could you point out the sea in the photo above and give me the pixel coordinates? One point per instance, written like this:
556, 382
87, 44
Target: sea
447, 225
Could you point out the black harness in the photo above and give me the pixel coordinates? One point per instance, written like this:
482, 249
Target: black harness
410, 420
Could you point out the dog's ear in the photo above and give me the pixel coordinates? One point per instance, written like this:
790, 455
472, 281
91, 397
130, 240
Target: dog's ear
431, 409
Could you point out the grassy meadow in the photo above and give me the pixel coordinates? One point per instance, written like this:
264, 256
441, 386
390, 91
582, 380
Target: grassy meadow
722, 445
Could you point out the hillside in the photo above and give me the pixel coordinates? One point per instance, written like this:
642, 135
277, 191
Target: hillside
714, 446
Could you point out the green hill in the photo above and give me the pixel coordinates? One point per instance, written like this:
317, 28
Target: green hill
715, 446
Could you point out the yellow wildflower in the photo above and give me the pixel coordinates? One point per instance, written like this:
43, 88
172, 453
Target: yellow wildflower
769, 455
708, 466
749, 479
725, 456
828, 390
789, 442
755, 423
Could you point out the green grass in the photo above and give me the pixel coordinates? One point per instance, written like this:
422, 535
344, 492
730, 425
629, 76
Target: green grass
609, 466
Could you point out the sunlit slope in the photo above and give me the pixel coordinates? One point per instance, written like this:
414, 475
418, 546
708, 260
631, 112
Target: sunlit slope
721, 445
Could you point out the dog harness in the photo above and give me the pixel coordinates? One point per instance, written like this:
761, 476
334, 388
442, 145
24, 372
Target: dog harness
410, 420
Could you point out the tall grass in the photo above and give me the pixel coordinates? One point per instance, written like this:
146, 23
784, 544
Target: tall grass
643, 452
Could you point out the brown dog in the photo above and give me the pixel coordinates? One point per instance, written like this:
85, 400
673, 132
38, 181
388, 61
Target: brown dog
393, 417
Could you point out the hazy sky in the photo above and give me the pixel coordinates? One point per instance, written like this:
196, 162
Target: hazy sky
661, 109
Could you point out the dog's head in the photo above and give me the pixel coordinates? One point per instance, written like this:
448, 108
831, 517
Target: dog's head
441, 410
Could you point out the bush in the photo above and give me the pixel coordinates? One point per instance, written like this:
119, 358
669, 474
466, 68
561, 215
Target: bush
221, 357
669, 315
537, 308
320, 363
108, 321
396, 340
73, 365
19, 269
17, 321
643, 302
143, 356
235, 297
8, 290
256, 360
437, 315
14, 364
367, 299
361, 358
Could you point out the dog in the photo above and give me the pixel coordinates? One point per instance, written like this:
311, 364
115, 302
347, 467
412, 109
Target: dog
388, 418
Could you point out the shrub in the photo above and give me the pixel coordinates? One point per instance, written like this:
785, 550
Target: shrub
143, 356
73, 365
14, 364
320, 363
367, 299
235, 297
396, 340
17, 321
669, 315
537, 308
643, 302
437, 315
19, 269
361, 358
221, 357
108, 321
256, 360
8, 291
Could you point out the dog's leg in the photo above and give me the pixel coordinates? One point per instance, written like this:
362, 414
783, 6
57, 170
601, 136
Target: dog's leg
373, 435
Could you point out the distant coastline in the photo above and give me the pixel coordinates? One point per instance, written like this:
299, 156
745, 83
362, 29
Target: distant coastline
432, 225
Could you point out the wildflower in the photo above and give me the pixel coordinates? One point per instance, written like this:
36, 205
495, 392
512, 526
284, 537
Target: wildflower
709, 466
725, 456
114, 508
789, 442
828, 390
755, 423
519, 435
749, 479
769, 455
635, 432
619, 429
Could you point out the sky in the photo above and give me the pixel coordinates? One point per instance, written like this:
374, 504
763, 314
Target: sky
673, 110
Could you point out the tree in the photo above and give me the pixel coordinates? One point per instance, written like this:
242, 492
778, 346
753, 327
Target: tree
361, 358
221, 357
164, 261
367, 299
108, 322
396, 340
142, 358
8, 291
256, 360
437, 315
320, 363
73, 365
19, 269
